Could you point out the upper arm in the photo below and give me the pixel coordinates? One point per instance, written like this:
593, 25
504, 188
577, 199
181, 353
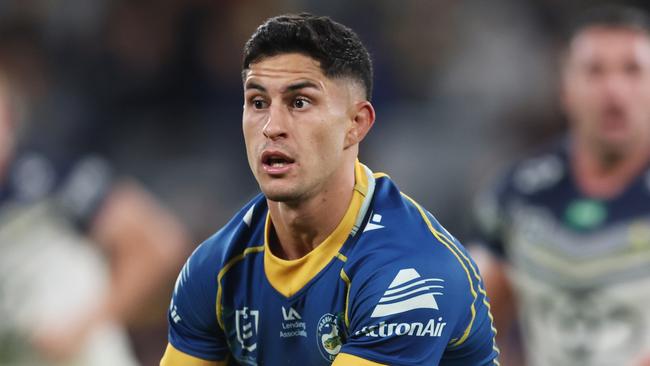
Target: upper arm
193, 327
404, 314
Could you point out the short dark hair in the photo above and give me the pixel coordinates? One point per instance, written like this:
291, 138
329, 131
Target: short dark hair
338, 49
611, 16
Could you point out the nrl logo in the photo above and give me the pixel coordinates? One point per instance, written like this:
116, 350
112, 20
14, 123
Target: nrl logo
246, 322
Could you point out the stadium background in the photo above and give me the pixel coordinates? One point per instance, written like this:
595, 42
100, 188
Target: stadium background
462, 88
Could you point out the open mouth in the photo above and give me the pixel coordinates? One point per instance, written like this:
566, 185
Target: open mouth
275, 161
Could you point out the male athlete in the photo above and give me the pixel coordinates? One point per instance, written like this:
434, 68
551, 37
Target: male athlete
331, 264
569, 229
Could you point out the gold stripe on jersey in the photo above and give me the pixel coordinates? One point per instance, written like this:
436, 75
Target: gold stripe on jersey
445, 241
346, 359
225, 269
174, 357
346, 279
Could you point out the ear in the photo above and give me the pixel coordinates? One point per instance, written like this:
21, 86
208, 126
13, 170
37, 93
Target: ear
363, 117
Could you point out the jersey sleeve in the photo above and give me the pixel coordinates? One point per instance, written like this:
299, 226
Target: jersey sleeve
193, 326
421, 312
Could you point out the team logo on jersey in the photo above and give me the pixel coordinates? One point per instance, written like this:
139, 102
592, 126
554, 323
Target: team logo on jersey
328, 336
246, 322
408, 291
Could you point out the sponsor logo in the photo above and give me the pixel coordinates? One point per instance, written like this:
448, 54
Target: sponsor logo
328, 337
408, 291
373, 224
292, 326
246, 323
291, 314
432, 328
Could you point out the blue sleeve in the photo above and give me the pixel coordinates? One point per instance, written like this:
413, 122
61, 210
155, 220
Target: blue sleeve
421, 311
476, 344
193, 327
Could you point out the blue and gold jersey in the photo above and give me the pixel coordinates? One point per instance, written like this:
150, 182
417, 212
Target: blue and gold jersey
389, 286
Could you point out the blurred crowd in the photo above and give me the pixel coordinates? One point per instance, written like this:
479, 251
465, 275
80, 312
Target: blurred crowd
462, 88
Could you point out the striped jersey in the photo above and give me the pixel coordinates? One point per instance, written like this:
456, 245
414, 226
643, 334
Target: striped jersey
580, 265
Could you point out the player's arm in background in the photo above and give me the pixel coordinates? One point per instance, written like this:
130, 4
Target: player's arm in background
144, 244
503, 307
487, 249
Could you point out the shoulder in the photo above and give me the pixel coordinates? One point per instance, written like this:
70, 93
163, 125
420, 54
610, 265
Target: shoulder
402, 241
410, 280
231, 240
537, 172
197, 284
398, 230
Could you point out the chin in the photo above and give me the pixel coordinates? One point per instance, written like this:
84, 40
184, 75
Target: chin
280, 195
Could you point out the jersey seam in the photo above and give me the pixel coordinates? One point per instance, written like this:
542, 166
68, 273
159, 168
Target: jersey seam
445, 241
231, 263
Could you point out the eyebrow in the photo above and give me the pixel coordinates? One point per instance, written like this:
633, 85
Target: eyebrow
254, 85
302, 85
291, 88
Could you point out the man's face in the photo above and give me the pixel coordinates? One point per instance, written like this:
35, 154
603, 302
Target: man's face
296, 123
606, 88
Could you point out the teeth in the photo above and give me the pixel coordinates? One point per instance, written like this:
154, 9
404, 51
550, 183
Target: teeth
277, 164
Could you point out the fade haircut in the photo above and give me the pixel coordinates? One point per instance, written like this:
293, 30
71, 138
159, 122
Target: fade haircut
336, 47
610, 16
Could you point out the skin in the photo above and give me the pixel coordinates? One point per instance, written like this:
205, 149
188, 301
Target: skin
606, 95
316, 123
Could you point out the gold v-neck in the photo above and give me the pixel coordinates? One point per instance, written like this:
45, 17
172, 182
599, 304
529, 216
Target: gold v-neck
290, 276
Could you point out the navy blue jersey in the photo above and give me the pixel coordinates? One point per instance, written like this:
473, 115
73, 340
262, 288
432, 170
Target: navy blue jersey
580, 265
389, 286
76, 189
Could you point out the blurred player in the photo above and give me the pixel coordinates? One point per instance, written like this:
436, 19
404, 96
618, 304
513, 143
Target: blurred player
60, 293
331, 263
568, 231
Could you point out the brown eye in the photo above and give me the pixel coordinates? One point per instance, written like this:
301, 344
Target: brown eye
258, 104
300, 103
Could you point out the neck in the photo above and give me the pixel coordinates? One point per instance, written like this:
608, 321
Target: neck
604, 174
301, 227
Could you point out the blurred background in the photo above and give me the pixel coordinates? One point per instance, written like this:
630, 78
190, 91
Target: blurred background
462, 88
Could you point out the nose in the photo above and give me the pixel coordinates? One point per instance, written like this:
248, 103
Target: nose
275, 127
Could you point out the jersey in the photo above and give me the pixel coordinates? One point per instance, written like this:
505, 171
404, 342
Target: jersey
389, 285
580, 266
